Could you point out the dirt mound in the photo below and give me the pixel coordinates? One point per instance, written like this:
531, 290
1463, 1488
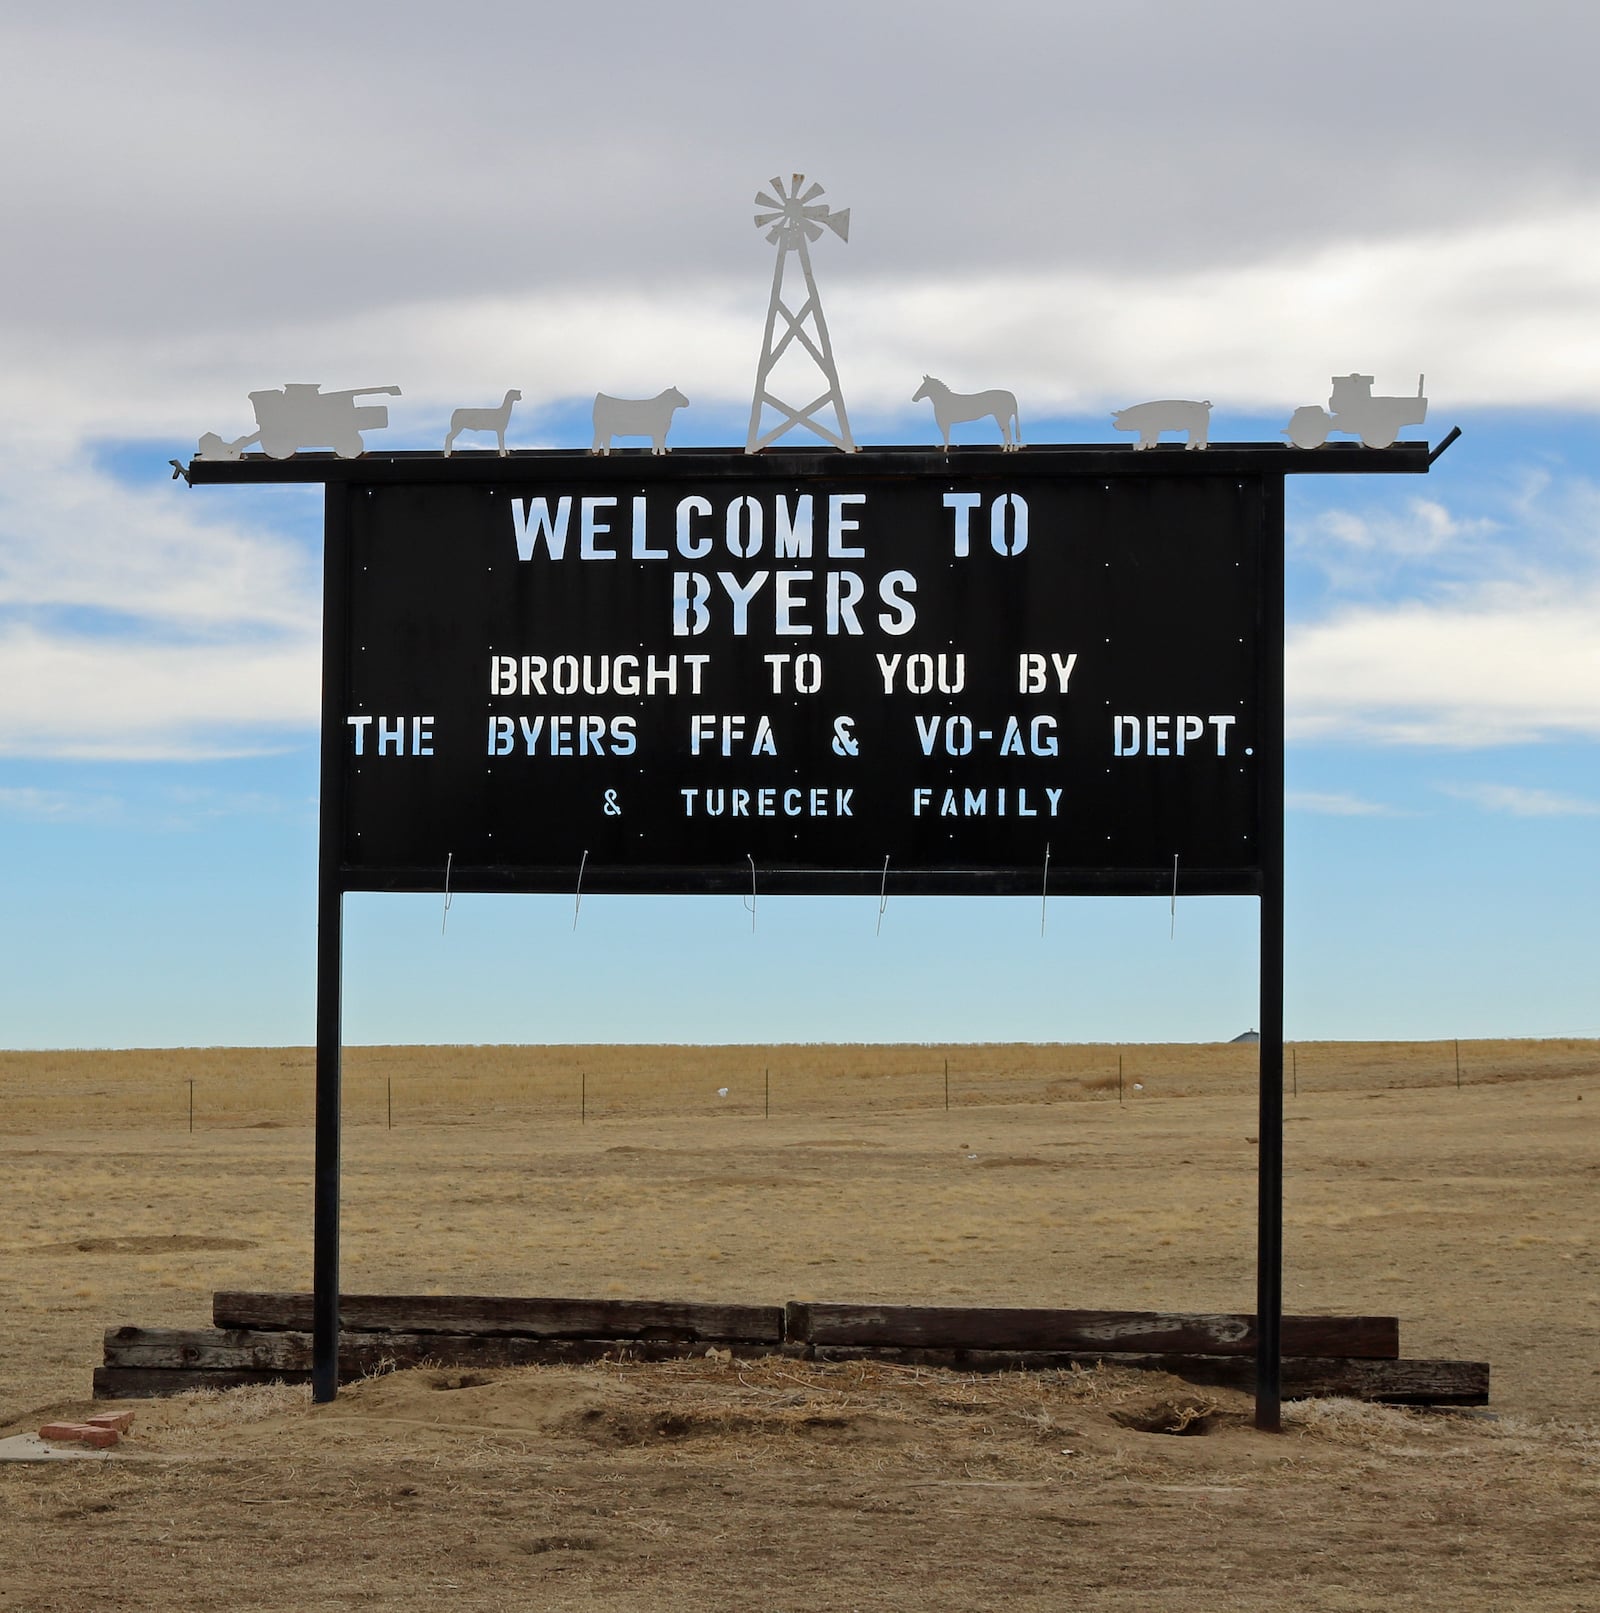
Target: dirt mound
770, 1406
717, 1483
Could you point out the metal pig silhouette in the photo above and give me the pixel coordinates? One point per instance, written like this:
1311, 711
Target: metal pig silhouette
1352, 408
1166, 414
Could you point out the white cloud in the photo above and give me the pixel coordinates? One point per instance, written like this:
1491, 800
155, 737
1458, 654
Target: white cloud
74, 537
1502, 666
1420, 528
144, 622
1466, 631
1336, 805
1521, 802
59, 806
1486, 309
546, 143
142, 699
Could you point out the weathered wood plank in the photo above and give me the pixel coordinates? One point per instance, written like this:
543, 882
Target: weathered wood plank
228, 1350
1400, 1382
959, 1327
689, 1320
146, 1383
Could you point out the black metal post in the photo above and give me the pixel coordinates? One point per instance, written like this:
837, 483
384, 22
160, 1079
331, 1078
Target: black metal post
330, 948
1269, 1176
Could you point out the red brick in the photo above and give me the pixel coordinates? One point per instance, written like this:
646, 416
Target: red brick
119, 1420
82, 1433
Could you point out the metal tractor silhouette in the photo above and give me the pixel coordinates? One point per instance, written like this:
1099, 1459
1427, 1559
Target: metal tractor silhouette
1352, 408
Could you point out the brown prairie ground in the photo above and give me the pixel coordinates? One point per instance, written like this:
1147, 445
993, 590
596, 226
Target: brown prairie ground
1470, 1212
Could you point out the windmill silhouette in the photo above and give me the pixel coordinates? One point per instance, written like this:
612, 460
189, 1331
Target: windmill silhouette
794, 220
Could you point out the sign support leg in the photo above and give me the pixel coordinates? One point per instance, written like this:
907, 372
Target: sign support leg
325, 1236
330, 956
1269, 1175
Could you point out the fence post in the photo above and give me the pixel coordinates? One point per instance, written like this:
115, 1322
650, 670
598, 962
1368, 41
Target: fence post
1119, 1078
583, 1099
1458, 1064
766, 1094
388, 1082
947, 1084
191, 1106
1294, 1065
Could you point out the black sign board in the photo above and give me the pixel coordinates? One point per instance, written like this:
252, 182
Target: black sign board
677, 676
1054, 671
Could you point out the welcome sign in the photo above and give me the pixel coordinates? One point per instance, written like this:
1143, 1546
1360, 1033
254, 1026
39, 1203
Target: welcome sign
839, 674
1050, 671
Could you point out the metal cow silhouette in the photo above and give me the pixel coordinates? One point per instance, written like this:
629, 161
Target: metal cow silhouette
635, 417
951, 408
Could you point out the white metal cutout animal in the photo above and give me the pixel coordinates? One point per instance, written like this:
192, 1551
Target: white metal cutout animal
635, 417
495, 420
951, 408
1166, 414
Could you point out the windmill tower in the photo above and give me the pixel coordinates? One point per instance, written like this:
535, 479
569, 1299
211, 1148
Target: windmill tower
796, 220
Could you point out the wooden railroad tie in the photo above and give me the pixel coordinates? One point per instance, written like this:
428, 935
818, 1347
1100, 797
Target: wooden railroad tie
265, 1337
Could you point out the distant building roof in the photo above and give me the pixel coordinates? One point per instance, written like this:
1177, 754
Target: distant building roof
1249, 1036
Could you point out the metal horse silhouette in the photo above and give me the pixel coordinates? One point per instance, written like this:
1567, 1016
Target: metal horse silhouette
951, 408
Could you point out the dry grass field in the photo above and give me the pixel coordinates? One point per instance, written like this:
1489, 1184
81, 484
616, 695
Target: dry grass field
1472, 1212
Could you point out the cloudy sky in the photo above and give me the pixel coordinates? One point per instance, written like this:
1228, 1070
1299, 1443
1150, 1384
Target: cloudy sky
1089, 205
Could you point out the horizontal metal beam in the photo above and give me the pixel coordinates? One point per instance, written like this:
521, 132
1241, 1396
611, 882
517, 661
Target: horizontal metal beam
778, 881
732, 464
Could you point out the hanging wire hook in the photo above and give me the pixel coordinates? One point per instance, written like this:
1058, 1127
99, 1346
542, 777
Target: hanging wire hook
1044, 890
444, 919
751, 903
883, 896
1172, 930
577, 895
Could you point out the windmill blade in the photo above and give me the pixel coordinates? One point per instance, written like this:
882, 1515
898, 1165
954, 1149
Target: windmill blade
820, 212
812, 193
777, 185
839, 223
764, 219
813, 231
799, 180
764, 200
774, 236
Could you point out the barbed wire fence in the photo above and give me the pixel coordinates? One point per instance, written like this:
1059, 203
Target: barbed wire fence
408, 1098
